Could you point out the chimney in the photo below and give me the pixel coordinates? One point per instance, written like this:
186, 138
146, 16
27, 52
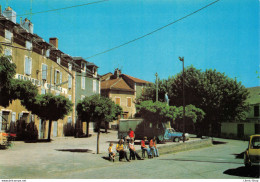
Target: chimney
10, 14
27, 24
54, 41
117, 73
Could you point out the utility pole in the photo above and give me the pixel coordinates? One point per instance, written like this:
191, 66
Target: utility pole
183, 96
156, 86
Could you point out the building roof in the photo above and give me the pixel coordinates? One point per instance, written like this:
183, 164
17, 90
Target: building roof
106, 76
115, 84
136, 80
254, 95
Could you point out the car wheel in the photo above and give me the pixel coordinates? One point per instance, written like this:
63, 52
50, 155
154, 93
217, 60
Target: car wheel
176, 139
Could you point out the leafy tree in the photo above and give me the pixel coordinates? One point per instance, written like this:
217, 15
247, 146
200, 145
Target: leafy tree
10, 88
98, 109
193, 117
220, 97
49, 107
156, 112
7, 72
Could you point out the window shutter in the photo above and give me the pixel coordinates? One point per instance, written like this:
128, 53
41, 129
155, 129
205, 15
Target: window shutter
13, 116
44, 72
30, 66
20, 115
26, 65
0, 120
60, 77
55, 76
94, 86
83, 82
70, 81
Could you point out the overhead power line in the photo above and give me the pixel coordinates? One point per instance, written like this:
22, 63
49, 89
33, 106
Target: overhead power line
57, 9
138, 38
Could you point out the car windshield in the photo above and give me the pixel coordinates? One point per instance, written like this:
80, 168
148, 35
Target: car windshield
255, 143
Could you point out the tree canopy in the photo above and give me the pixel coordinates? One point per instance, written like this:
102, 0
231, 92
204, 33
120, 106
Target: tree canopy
98, 109
220, 97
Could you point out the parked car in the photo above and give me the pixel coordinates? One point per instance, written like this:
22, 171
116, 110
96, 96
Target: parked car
252, 153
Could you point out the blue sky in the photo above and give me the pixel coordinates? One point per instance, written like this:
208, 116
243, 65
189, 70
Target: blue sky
224, 36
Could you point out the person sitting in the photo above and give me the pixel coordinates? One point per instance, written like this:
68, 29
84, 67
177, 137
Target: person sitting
133, 152
145, 148
120, 150
110, 151
153, 148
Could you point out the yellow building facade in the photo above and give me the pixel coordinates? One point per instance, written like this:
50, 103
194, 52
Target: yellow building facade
42, 63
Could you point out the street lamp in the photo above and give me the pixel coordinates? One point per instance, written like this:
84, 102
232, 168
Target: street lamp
183, 96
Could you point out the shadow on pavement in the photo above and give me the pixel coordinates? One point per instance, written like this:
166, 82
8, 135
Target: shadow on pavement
38, 141
74, 150
106, 158
239, 156
252, 172
189, 160
218, 142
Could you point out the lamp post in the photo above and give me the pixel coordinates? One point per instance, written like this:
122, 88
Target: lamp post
156, 86
183, 96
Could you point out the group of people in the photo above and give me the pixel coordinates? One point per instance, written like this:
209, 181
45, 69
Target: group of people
124, 145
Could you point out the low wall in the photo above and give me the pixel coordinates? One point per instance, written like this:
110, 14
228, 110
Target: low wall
180, 147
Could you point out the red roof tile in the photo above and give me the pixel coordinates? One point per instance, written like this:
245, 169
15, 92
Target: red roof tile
136, 80
115, 84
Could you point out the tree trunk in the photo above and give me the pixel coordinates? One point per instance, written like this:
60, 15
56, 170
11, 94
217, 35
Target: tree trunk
49, 133
87, 129
98, 140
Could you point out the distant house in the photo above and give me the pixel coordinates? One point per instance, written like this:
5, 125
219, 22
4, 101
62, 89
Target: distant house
123, 90
251, 125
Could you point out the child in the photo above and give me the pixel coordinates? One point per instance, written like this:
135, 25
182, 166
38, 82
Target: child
110, 151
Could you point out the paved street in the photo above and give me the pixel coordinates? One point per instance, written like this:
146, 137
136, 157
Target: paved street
74, 158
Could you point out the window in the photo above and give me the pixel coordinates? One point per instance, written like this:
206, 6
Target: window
83, 82
118, 101
70, 66
257, 128
57, 77
28, 45
8, 52
83, 67
47, 54
83, 97
43, 91
58, 60
69, 97
129, 102
13, 117
94, 86
44, 71
28, 65
69, 81
69, 119
256, 111
8, 35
